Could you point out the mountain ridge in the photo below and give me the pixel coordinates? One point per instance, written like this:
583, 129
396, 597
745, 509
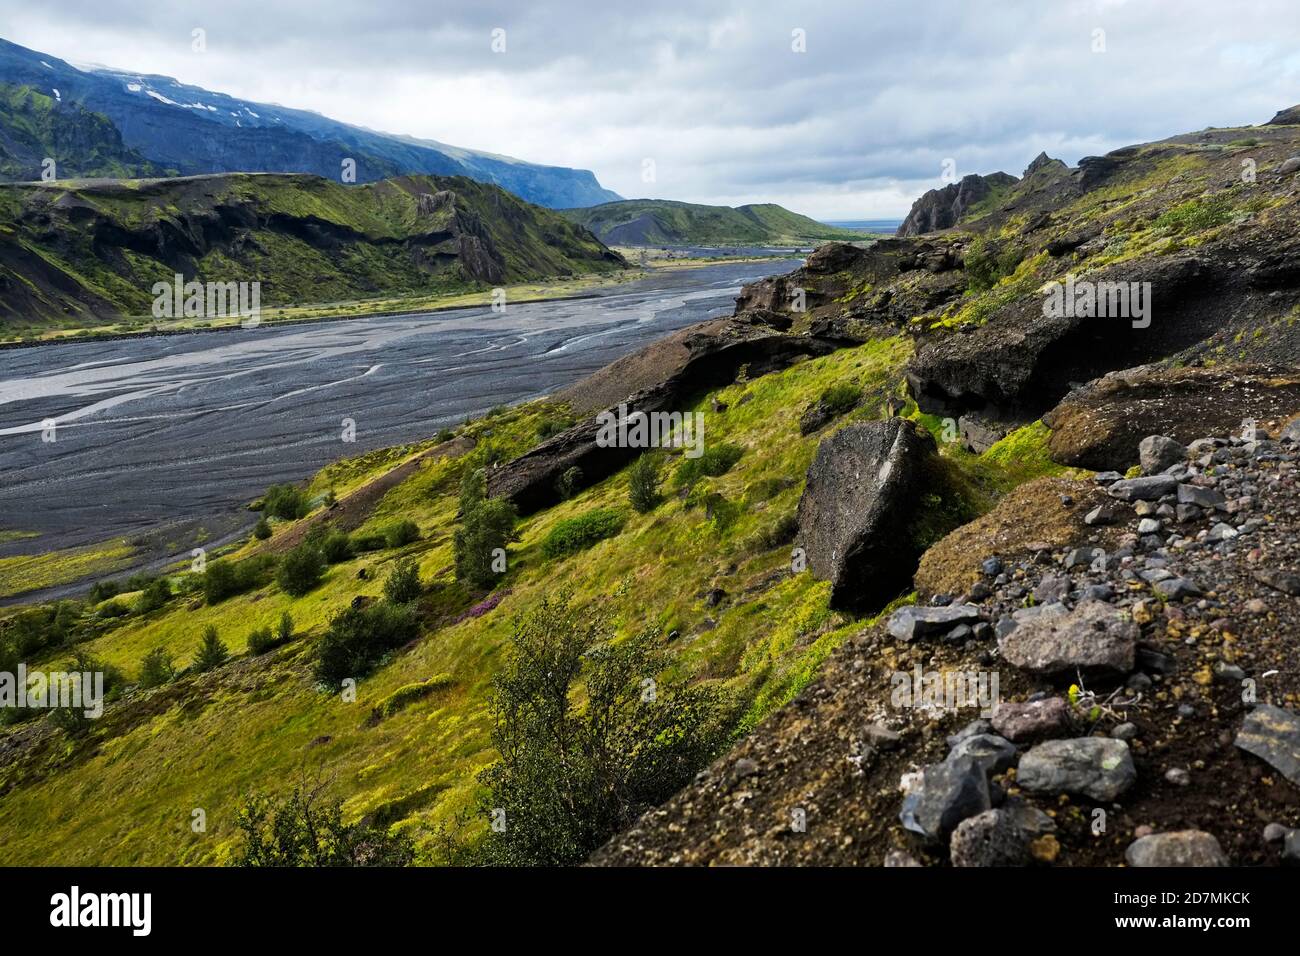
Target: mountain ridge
670, 221
176, 125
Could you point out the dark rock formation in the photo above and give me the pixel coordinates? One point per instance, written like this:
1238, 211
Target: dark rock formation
1100, 425
661, 377
857, 509
944, 207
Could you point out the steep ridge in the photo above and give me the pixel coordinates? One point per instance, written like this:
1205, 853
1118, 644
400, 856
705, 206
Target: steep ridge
96, 248
641, 222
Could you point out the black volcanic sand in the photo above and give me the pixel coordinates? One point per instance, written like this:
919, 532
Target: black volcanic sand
159, 436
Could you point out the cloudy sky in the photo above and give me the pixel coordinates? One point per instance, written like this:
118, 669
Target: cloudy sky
716, 93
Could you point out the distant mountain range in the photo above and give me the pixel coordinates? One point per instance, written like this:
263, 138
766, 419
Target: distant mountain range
167, 125
643, 222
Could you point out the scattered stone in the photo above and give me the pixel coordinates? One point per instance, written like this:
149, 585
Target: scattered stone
1091, 766
1148, 526
1033, 721
1095, 637
990, 751
1275, 833
1149, 488
1000, 837
1175, 589
942, 795
1284, 581
1100, 515
980, 726
880, 737
1124, 731
1273, 735
1178, 776
1200, 497
1180, 848
1156, 453
914, 623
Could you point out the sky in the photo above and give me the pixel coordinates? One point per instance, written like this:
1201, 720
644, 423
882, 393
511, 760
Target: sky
839, 110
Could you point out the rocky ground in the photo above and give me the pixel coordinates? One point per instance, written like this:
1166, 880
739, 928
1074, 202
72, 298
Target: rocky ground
1149, 707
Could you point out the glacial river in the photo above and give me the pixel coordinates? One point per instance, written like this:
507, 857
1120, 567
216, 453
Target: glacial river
167, 434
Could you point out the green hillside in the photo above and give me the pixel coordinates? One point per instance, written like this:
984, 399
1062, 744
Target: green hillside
35, 126
646, 222
90, 252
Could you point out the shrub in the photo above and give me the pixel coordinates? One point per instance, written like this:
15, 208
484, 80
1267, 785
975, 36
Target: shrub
403, 584
156, 668
552, 426
285, 501
401, 533
486, 524
158, 593
301, 570
841, 397
444, 435
262, 530
359, 636
336, 546
260, 640
113, 609
73, 719
103, 590
716, 461
284, 629
305, 830
569, 483
580, 532
408, 694
571, 774
368, 542
643, 484
224, 579
212, 653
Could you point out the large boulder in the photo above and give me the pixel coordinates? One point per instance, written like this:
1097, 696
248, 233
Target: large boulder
858, 508
1181, 848
1273, 735
1101, 425
661, 377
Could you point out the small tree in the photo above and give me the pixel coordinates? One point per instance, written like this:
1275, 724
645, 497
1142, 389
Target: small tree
643, 484
212, 652
156, 668
486, 525
403, 584
571, 774
307, 830
301, 569
284, 630
157, 593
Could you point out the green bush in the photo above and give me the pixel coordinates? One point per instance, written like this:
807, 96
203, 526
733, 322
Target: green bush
224, 579
551, 426
113, 609
212, 653
358, 637
286, 501
486, 525
284, 629
260, 640
403, 584
569, 483
156, 668
581, 532
301, 569
158, 593
714, 462
401, 533
336, 546
643, 484
576, 768
363, 543
305, 830
262, 530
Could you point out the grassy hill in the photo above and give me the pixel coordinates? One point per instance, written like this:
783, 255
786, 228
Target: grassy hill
35, 126
89, 252
643, 222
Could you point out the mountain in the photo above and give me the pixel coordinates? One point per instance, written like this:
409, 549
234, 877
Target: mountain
890, 497
93, 249
945, 207
652, 222
195, 131
34, 127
